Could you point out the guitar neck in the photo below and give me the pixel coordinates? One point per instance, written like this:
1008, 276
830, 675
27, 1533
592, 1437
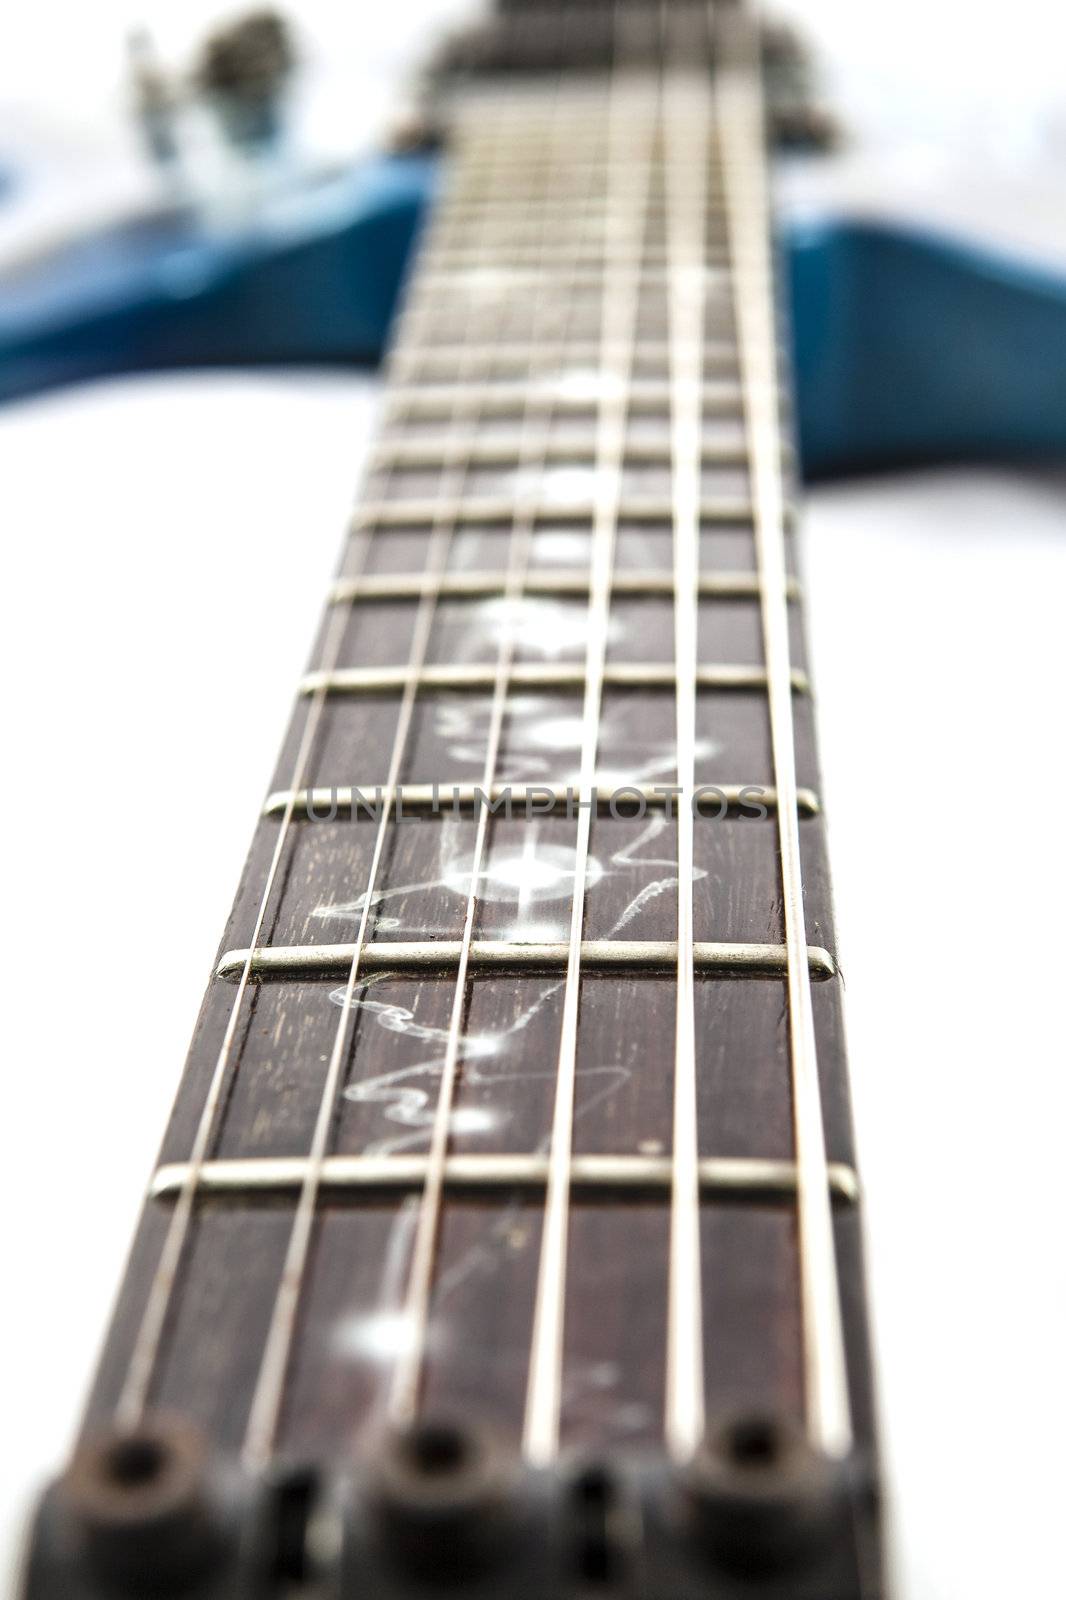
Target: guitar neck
518, 1094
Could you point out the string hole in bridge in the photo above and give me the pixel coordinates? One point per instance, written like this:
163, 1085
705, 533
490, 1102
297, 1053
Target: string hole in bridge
440, 1493
134, 1462
594, 1497
753, 1442
291, 1508
761, 1498
436, 1449
143, 1504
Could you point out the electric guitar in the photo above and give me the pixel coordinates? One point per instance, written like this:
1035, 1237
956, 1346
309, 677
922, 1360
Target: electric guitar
967, 339
507, 1232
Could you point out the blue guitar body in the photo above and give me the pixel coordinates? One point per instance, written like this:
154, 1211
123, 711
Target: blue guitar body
908, 346
313, 279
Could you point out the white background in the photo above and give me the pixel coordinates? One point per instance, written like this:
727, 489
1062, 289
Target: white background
166, 546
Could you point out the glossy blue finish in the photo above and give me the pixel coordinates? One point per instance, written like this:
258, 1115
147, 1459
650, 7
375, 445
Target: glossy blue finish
314, 279
908, 347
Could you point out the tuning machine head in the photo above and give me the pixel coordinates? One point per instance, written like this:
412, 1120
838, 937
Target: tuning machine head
798, 117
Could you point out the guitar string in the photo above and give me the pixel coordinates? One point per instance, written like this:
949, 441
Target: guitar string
630, 139
145, 1356
268, 1397
826, 1379
741, 141
531, 457
685, 167
147, 1347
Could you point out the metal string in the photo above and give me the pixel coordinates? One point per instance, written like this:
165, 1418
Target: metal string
147, 1347
535, 426
686, 129
631, 111
741, 140
739, 120
133, 1398
267, 1399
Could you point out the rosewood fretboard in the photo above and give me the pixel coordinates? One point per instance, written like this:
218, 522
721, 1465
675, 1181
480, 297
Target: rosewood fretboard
537, 1114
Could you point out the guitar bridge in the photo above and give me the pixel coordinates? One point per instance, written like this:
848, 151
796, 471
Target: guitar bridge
441, 1509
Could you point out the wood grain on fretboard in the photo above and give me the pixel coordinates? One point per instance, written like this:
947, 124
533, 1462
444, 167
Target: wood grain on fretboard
490, 417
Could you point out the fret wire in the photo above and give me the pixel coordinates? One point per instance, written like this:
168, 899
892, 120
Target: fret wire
581, 224
510, 250
685, 137
503, 452
754, 1177
649, 398
144, 1359
599, 955
537, 799
508, 261
630, 132
740, 122
469, 676
583, 350
407, 1373
489, 277
719, 511
555, 209
268, 1396
475, 583
519, 162
434, 325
